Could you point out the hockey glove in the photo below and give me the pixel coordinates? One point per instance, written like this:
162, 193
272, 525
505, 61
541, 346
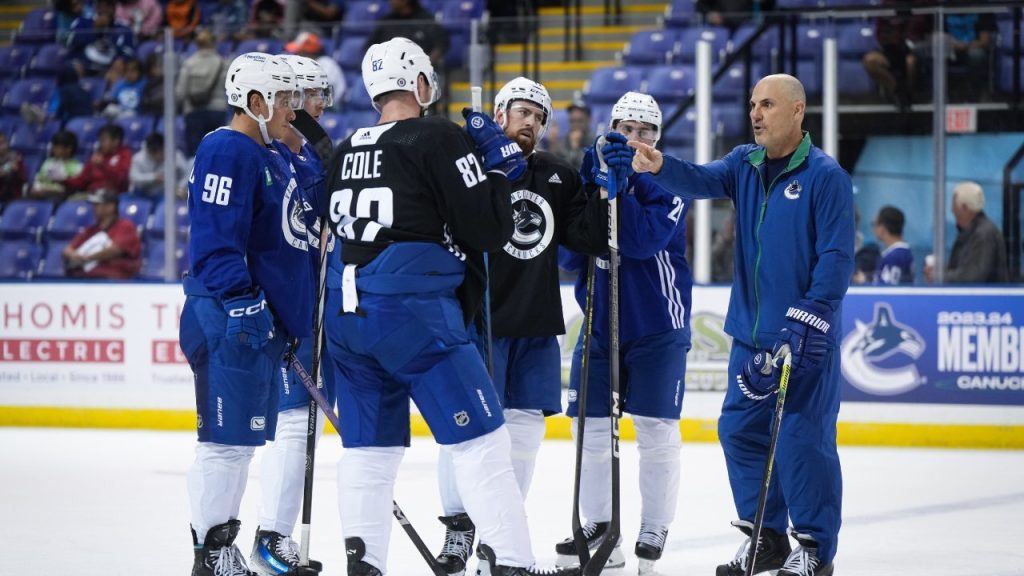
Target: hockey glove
499, 151
249, 320
619, 158
598, 167
758, 379
807, 335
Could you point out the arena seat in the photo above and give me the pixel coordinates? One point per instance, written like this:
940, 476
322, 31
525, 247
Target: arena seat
71, 217
19, 259
25, 219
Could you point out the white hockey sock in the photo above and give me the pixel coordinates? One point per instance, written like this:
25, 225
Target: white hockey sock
595, 475
283, 471
526, 429
366, 485
216, 482
451, 502
487, 484
658, 442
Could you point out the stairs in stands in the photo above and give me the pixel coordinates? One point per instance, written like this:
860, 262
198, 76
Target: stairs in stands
602, 42
11, 15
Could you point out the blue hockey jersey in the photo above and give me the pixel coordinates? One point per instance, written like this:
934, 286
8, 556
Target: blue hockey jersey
242, 201
655, 282
794, 235
896, 266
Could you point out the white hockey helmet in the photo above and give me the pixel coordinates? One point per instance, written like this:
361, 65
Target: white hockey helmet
638, 107
263, 73
396, 65
523, 89
310, 76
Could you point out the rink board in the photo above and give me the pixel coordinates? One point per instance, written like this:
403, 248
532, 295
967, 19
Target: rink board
921, 366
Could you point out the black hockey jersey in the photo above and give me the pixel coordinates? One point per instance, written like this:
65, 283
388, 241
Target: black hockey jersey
549, 209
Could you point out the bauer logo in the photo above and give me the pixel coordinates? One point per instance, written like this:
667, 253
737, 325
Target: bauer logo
461, 418
258, 423
879, 357
477, 122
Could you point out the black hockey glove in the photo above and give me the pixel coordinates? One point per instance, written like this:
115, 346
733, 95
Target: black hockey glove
806, 335
499, 151
758, 379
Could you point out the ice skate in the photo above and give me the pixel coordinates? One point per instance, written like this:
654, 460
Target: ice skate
486, 557
274, 554
458, 543
355, 549
772, 551
218, 556
594, 533
803, 561
649, 546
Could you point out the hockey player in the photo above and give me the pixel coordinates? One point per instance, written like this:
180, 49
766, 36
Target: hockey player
411, 197
549, 209
794, 259
283, 465
239, 308
654, 326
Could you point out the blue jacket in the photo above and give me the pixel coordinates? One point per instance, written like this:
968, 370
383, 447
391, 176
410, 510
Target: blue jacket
794, 236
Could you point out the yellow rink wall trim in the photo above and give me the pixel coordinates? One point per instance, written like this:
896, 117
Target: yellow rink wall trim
558, 427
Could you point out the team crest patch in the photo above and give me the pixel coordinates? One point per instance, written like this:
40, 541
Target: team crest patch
477, 122
266, 173
461, 418
534, 225
258, 423
793, 190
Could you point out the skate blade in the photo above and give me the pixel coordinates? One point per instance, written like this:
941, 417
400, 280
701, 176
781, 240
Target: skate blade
616, 560
646, 567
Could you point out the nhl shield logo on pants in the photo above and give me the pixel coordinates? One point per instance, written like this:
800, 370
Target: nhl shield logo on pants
461, 418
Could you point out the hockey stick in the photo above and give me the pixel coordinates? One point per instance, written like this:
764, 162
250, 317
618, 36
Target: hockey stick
477, 95
762, 497
328, 411
578, 536
611, 538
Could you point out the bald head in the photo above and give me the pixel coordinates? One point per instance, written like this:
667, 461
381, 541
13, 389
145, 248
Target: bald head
777, 107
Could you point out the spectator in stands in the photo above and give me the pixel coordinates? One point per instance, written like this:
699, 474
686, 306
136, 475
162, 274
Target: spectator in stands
107, 167
577, 138
722, 250
200, 87
153, 93
266, 18
144, 17
900, 40
96, 44
66, 12
896, 262
12, 171
308, 44
146, 176
68, 101
979, 252
732, 13
125, 99
110, 248
409, 19
183, 18
326, 12
970, 40
60, 165
228, 19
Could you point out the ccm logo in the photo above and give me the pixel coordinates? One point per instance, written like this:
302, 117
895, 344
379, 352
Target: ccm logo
248, 311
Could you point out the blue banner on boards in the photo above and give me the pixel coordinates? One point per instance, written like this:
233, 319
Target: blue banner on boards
960, 346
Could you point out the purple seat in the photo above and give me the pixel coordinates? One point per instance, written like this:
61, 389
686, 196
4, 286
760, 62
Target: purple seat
853, 79
670, 83
650, 47
730, 121
357, 119
135, 208
357, 98
686, 49
31, 90
25, 219
155, 226
607, 85
136, 128
26, 139
856, 39
681, 13
1006, 74
335, 125
809, 73
19, 259
457, 14
38, 27
361, 17
32, 161
179, 131
153, 259
70, 218
48, 59
682, 132
96, 86
810, 40
349, 54
52, 264
14, 58
733, 85
87, 128
267, 45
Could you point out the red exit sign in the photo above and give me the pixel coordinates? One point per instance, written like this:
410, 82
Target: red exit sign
961, 119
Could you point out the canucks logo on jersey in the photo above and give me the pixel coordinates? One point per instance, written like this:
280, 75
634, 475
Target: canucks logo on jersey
534, 225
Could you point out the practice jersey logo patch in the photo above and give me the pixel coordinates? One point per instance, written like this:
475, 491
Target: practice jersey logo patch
461, 418
879, 357
258, 423
534, 225
793, 190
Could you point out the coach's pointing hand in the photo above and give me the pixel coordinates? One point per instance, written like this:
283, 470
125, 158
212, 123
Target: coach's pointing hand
647, 158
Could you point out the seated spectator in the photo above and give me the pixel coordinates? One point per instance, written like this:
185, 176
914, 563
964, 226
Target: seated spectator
68, 101
326, 12
577, 138
200, 87
144, 17
60, 165
970, 39
108, 249
308, 44
266, 18
12, 171
146, 176
894, 65
896, 263
409, 19
731, 13
228, 19
126, 94
97, 43
107, 167
65, 13
183, 18
979, 252
153, 93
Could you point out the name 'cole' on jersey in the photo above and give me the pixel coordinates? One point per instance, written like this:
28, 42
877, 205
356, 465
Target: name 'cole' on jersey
415, 180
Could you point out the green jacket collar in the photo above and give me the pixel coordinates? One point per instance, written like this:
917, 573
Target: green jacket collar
757, 156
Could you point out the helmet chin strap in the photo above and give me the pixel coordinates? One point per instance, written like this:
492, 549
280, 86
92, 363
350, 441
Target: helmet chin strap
267, 140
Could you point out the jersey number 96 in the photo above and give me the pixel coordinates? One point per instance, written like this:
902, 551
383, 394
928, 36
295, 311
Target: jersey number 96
217, 189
